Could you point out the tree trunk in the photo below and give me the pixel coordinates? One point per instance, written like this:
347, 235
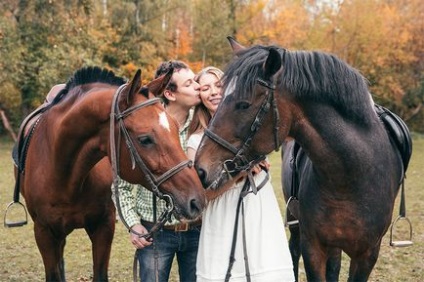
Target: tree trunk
7, 125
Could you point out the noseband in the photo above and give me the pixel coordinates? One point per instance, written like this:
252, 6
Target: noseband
153, 182
240, 162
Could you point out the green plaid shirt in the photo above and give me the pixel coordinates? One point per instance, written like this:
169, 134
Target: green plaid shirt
136, 204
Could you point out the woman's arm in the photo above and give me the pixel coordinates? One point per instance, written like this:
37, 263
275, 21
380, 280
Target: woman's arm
191, 153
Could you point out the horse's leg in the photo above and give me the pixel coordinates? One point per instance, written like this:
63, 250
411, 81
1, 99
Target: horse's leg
294, 245
101, 236
314, 258
361, 266
51, 249
333, 264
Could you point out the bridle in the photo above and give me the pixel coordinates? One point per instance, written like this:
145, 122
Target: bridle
116, 116
240, 161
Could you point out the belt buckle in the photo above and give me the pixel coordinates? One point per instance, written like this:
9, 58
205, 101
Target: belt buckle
182, 227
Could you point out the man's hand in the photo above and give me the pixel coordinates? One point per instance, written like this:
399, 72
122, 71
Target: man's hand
139, 242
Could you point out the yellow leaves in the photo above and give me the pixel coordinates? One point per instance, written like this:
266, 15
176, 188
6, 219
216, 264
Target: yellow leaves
278, 22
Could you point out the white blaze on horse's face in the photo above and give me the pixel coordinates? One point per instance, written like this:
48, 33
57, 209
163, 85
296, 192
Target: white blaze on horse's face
231, 87
163, 121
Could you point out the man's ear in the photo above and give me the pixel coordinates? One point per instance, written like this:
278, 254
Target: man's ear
169, 95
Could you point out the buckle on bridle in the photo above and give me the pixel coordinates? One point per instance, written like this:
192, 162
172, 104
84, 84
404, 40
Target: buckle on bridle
229, 167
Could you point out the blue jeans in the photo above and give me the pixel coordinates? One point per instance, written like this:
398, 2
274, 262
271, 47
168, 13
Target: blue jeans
165, 246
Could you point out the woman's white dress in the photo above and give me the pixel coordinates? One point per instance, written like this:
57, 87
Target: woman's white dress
267, 247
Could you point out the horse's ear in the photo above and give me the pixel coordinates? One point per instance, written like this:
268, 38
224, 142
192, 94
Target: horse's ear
272, 63
237, 47
132, 88
158, 85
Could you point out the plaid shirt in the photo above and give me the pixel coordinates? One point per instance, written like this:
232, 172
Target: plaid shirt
138, 204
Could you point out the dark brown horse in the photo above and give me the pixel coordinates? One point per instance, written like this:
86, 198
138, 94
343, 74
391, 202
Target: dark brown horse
65, 171
351, 176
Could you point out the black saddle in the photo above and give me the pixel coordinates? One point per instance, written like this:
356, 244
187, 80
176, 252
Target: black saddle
398, 132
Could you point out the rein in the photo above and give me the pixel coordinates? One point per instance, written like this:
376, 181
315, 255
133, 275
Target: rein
240, 204
240, 162
153, 182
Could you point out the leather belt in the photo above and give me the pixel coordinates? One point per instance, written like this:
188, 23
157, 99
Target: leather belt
180, 227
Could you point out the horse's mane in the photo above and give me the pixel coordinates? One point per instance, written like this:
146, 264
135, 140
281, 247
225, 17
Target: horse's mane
316, 76
88, 75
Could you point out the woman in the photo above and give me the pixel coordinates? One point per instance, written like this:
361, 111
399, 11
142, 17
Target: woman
266, 244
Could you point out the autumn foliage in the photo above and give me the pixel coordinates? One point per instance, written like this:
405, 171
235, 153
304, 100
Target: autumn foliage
43, 42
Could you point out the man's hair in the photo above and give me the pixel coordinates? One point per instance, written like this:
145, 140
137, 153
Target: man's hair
164, 67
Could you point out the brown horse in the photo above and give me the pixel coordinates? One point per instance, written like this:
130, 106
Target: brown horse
348, 182
65, 171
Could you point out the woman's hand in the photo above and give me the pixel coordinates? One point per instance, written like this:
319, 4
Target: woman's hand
263, 165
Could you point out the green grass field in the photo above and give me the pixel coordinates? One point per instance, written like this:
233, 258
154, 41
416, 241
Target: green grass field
21, 261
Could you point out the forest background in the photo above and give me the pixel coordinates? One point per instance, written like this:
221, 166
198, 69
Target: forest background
42, 42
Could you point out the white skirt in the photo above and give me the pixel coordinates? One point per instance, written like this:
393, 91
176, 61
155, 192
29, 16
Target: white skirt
266, 242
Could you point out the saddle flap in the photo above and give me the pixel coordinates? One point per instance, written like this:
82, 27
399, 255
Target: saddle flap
398, 132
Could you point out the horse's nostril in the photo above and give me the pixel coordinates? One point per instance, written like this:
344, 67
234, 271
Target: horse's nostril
195, 207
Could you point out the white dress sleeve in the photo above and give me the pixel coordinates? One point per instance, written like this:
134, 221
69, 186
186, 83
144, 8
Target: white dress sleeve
194, 140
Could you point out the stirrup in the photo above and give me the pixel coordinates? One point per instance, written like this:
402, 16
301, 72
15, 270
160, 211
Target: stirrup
291, 222
8, 223
402, 243
286, 221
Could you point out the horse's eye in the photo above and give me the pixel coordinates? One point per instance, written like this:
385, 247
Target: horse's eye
145, 140
242, 105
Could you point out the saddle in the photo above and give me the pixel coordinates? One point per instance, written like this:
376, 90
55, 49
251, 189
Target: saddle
28, 126
398, 132
19, 156
20, 148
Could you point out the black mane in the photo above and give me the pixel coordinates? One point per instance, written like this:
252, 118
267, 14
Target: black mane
316, 76
88, 75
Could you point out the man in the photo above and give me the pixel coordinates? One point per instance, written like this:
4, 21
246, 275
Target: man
175, 238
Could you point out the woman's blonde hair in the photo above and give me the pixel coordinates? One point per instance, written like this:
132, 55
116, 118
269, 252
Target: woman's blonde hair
202, 115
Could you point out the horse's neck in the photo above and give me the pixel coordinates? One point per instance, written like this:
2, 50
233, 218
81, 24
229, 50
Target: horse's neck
332, 142
79, 130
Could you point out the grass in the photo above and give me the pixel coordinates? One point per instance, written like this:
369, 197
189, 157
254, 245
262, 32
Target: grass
21, 261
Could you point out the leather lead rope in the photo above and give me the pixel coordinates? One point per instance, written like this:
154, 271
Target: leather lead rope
135, 267
156, 254
155, 250
235, 232
246, 259
244, 192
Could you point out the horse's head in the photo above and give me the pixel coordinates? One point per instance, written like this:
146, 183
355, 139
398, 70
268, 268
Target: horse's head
149, 150
247, 124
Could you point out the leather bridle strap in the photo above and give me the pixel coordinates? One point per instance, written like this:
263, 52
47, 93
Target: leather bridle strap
153, 182
221, 141
240, 162
249, 183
